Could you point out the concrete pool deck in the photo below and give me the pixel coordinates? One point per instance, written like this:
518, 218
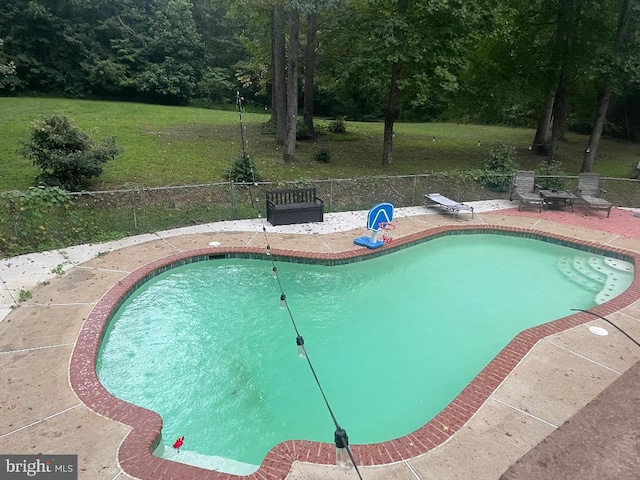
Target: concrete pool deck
39, 413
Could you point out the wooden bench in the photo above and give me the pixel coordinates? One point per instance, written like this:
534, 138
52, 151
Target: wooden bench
294, 205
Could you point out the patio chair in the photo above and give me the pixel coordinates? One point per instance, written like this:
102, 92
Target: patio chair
524, 188
591, 194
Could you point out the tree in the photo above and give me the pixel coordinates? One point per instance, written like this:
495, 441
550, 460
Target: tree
222, 51
392, 105
313, 10
605, 94
68, 157
289, 154
416, 48
309, 70
279, 77
568, 15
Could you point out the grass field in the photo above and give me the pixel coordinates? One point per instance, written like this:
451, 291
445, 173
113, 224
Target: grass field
181, 145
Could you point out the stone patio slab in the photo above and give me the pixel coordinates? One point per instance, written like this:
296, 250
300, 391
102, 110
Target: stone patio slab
552, 384
77, 285
77, 431
35, 326
33, 385
308, 471
128, 259
600, 442
611, 351
494, 438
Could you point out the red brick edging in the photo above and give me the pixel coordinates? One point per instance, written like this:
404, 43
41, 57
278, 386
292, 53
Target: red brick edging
135, 457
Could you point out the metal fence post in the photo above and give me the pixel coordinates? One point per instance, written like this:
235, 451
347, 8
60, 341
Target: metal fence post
133, 208
233, 201
415, 187
331, 195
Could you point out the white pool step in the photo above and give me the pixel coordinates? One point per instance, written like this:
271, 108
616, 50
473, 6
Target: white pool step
619, 277
619, 264
566, 265
607, 277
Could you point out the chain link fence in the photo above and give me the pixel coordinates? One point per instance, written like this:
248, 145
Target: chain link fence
29, 224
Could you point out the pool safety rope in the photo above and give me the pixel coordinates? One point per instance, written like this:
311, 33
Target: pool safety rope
344, 455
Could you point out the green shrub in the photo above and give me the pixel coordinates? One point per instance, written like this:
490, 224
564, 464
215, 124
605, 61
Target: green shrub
68, 157
243, 169
323, 155
301, 130
554, 169
499, 167
338, 125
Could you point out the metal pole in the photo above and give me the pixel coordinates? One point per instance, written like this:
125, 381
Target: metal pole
233, 201
133, 206
239, 104
331, 195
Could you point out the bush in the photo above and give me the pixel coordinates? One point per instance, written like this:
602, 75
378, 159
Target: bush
323, 155
243, 169
68, 157
301, 130
338, 125
499, 168
554, 169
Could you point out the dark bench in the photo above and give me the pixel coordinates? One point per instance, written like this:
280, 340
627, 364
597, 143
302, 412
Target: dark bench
294, 205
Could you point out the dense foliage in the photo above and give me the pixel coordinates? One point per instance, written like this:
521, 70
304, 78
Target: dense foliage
163, 51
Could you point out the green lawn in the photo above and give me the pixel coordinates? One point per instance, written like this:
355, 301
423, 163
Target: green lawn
181, 145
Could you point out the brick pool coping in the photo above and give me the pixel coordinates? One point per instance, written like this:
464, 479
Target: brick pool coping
135, 453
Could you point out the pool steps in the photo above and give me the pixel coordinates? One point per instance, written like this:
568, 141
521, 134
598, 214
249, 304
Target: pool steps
606, 277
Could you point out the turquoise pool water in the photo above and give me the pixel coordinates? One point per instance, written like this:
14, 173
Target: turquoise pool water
393, 339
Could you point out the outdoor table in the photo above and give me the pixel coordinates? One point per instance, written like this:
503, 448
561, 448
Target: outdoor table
557, 198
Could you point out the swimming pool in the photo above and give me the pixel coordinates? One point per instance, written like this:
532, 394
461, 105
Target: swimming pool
325, 322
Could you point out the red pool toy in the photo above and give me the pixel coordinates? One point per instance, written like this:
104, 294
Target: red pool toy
178, 443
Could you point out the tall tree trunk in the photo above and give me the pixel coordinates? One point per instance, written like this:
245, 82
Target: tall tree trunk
568, 12
279, 87
392, 106
309, 70
560, 108
273, 120
596, 131
292, 87
542, 137
605, 94
390, 116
